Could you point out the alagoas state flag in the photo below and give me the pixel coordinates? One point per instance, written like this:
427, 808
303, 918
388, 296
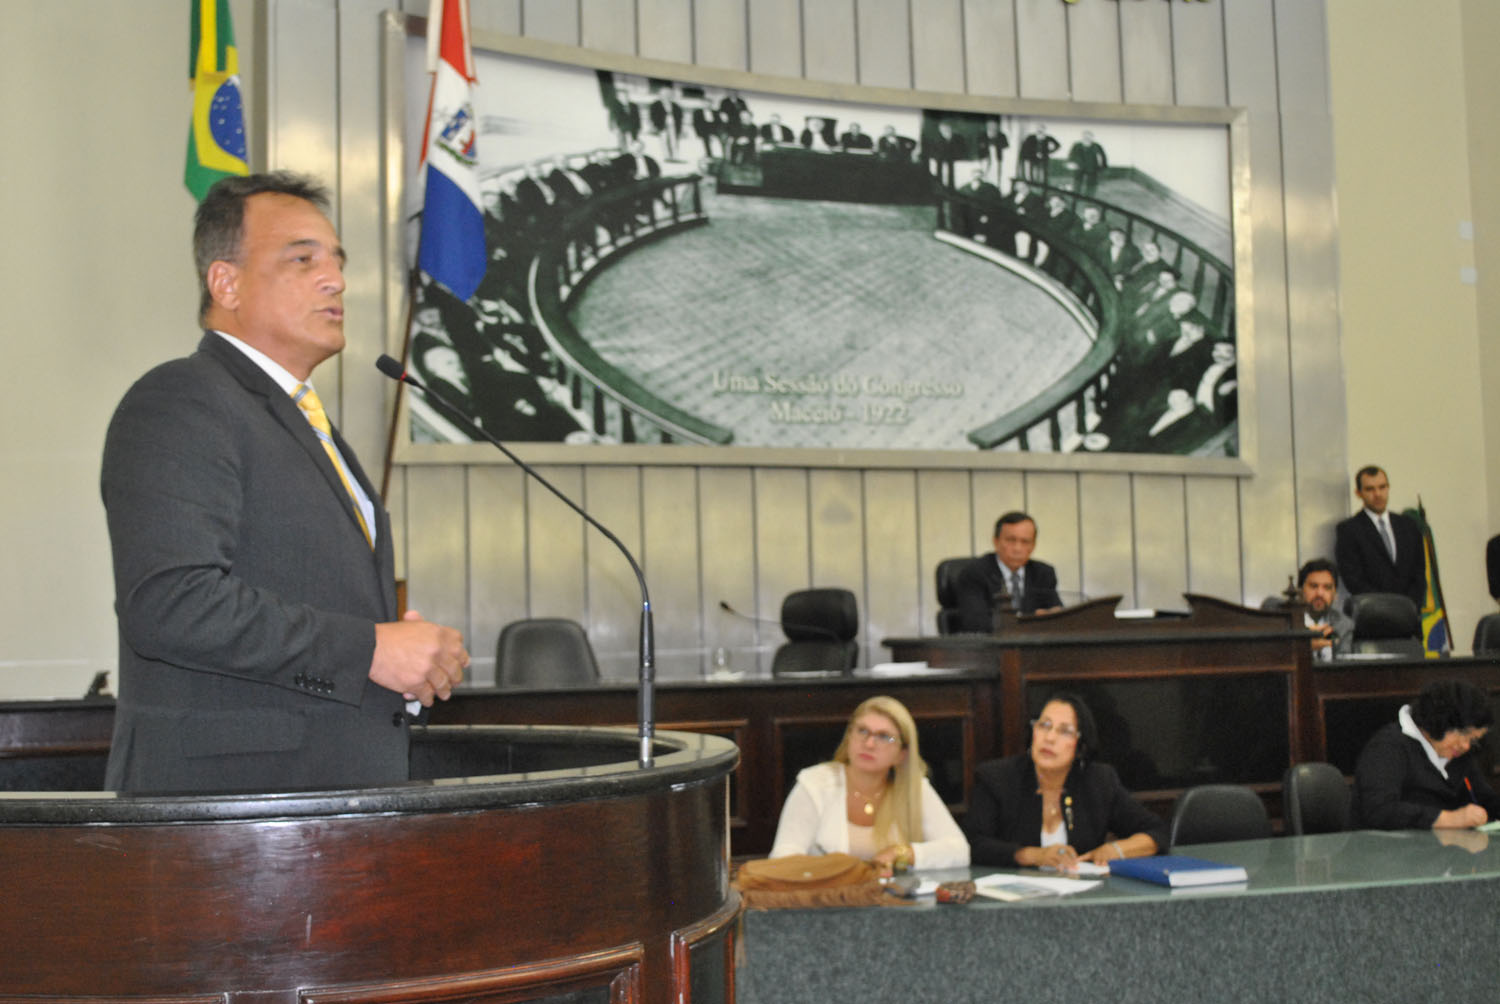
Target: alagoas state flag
216, 138
451, 248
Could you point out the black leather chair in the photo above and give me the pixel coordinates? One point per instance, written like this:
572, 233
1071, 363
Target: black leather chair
544, 651
1487, 634
1386, 622
1214, 813
1314, 799
820, 625
947, 594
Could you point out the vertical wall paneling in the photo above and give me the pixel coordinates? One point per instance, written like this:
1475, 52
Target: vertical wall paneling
726, 531
837, 532
1147, 64
782, 545
1312, 270
828, 41
1094, 50
498, 582
1267, 500
1052, 500
607, 25
1042, 49
884, 42
994, 493
719, 38
775, 28
944, 530
484, 15
395, 504
1105, 506
991, 60
889, 607
437, 580
671, 557
1197, 53
555, 556
664, 29
1212, 531
1160, 512
365, 415
551, 20
613, 496
937, 39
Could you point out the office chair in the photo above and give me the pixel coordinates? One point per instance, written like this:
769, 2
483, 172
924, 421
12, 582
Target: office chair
1214, 813
1386, 622
820, 625
1487, 634
544, 651
1314, 799
947, 594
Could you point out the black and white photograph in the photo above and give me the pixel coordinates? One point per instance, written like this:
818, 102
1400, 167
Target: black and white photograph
674, 262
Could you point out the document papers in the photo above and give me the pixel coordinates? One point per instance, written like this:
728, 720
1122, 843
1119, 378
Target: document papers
1018, 887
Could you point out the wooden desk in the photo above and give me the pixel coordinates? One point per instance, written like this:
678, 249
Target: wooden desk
1226, 694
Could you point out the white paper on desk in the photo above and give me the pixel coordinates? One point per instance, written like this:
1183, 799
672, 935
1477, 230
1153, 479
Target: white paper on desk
1055, 886
885, 669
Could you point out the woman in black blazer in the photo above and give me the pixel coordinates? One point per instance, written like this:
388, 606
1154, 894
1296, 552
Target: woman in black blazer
1053, 806
1420, 772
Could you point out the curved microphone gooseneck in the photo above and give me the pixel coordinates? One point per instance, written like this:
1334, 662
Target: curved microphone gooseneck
646, 711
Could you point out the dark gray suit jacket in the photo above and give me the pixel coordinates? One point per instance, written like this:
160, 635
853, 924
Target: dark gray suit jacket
246, 594
980, 580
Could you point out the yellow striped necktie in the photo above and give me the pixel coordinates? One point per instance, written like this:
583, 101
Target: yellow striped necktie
312, 407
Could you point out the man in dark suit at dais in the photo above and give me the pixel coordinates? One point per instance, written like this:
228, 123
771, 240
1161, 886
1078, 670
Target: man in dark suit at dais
254, 588
1030, 586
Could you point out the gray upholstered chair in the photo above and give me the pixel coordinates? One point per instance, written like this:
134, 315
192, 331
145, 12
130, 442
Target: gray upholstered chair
1214, 813
1314, 799
544, 651
820, 625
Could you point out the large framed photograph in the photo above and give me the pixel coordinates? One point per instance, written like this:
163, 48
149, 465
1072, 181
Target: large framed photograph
709, 267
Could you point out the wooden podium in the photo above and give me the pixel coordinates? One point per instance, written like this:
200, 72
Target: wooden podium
536, 864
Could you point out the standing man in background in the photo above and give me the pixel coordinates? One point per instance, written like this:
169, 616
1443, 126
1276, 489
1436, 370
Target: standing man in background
1379, 551
1031, 586
259, 645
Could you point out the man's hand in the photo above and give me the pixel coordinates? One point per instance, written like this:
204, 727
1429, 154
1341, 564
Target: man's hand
419, 660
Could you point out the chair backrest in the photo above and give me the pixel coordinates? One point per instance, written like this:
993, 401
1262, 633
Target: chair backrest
1487, 634
1386, 622
542, 651
1213, 813
947, 594
820, 625
1314, 799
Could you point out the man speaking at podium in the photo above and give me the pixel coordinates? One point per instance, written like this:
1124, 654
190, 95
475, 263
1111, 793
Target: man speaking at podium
1029, 586
259, 645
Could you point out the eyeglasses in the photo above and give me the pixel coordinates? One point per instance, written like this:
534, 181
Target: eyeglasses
1047, 725
861, 734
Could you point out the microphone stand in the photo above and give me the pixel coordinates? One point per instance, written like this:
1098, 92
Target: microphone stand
646, 704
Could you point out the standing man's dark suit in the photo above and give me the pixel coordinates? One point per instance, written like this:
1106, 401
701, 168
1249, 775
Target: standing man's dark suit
246, 592
259, 646
1366, 567
982, 578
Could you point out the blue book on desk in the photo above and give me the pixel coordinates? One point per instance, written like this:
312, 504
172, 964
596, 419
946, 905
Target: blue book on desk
1176, 870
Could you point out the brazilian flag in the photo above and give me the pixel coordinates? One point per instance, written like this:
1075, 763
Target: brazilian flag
1436, 633
216, 138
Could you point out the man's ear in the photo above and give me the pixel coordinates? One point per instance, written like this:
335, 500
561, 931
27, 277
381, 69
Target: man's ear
224, 284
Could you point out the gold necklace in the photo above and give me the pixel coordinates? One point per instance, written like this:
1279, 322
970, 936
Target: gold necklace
869, 800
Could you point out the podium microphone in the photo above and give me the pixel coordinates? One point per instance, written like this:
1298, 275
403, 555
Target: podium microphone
646, 712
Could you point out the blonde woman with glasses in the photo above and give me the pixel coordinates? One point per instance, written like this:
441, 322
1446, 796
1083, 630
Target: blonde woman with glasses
1054, 806
873, 799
